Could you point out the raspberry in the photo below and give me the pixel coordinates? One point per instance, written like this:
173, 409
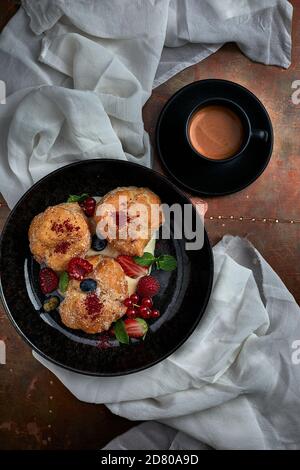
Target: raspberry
78, 268
148, 286
48, 280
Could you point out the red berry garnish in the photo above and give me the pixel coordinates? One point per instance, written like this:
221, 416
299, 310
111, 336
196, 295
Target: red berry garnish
78, 268
134, 298
131, 312
88, 206
144, 312
147, 302
48, 280
128, 302
130, 267
135, 327
93, 305
155, 313
148, 286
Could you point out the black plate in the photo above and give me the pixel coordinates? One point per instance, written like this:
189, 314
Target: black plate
189, 170
182, 299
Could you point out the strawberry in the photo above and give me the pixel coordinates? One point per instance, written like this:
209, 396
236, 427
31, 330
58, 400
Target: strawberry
135, 327
78, 268
148, 286
48, 280
130, 267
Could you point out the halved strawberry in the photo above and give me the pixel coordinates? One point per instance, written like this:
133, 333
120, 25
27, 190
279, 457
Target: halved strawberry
130, 267
48, 280
135, 327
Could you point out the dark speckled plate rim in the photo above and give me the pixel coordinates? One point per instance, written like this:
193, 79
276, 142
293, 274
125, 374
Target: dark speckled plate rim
126, 372
182, 183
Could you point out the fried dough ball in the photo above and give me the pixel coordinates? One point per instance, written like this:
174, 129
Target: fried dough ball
58, 234
95, 311
128, 217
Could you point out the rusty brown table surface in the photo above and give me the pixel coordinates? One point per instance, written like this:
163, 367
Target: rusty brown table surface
36, 410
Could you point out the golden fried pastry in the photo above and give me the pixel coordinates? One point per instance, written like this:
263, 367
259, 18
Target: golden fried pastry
128, 217
59, 234
95, 311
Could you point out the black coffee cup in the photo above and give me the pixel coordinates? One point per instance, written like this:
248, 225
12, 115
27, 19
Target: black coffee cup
249, 133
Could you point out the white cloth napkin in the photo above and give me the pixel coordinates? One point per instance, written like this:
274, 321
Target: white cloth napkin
78, 73
235, 383
151, 435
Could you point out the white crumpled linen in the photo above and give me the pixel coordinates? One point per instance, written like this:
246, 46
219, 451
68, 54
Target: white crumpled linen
151, 435
235, 383
78, 73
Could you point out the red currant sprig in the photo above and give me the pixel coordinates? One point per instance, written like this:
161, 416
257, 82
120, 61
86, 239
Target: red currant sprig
142, 308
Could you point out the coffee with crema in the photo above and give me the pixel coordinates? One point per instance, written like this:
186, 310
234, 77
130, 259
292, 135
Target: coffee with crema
216, 132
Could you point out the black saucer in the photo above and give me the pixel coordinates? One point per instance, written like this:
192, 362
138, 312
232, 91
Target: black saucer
187, 168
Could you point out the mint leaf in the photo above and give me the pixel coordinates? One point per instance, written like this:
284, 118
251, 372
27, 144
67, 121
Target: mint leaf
76, 198
63, 282
120, 332
146, 260
166, 263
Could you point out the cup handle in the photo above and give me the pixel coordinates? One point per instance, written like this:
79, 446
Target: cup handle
260, 134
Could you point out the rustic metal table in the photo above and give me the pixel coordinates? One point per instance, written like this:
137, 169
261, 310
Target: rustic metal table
36, 410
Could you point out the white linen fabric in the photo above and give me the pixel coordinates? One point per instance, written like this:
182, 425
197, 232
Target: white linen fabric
235, 383
78, 73
154, 436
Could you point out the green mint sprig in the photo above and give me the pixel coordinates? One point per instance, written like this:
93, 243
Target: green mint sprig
63, 282
77, 198
120, 332
164, 262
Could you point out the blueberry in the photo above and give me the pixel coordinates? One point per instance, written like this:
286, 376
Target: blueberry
98, 244
88, 285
